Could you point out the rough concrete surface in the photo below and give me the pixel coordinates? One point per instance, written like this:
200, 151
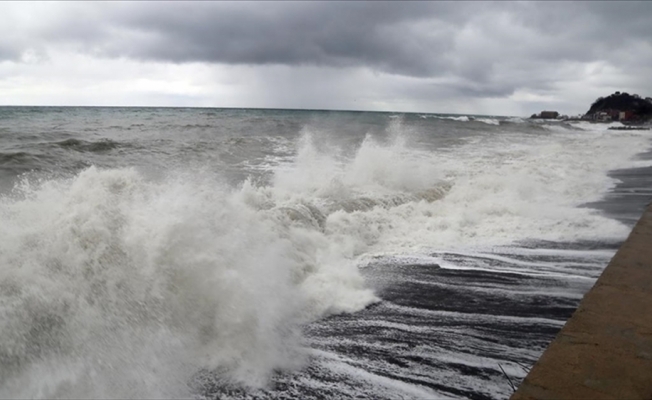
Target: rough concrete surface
605, 349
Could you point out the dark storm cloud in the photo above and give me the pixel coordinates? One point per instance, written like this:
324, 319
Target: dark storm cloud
472, 41
477, 49
385, 36
407, 38
402, 38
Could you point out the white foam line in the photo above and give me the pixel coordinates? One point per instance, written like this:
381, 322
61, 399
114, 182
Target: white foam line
507, 259
429, 260
560, 252
473, 316
469, 360
495, 289
343, 365
450, 266
600, 256
407, 260
412, 390
450, 376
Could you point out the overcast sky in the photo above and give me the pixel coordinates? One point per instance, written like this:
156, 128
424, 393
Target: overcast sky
503, 58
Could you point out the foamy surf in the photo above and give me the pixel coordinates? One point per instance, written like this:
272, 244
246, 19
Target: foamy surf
246, 262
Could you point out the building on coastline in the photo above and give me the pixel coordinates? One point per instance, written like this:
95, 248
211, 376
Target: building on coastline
620, 106
607, 115
546, 115
625, 115
611, 115
549, 114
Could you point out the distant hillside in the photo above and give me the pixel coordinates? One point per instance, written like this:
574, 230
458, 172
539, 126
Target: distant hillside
641, 107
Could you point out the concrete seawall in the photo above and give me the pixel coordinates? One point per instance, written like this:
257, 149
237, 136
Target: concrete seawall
605, 349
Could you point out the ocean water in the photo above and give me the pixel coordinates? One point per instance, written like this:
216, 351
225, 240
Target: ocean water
227, 253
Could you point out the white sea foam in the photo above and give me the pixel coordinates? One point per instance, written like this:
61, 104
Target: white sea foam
592, 126
488, 121
131, 286
117, 286
465, 118
461, 118
516, 120
496, 190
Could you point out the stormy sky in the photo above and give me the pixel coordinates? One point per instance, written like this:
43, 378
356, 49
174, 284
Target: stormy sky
502, 58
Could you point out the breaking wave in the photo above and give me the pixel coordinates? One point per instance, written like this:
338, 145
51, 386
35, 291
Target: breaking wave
118, 286
465, 118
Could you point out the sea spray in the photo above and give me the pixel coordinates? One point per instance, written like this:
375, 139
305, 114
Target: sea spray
131, 286
120, 283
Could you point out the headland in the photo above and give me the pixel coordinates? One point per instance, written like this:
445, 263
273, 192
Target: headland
631, 110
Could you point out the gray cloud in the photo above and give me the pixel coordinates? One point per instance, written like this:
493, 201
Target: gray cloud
474, 49
7, 53
407, 38
378, 35
402, 38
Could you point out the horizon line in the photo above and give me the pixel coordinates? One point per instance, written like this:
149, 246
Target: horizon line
261, 108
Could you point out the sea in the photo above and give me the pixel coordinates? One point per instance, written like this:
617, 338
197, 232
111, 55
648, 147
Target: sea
296, 254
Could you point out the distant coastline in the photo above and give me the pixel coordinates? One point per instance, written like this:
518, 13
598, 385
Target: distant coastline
633, 111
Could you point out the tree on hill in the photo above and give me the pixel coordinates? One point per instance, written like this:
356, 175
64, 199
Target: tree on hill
622, 102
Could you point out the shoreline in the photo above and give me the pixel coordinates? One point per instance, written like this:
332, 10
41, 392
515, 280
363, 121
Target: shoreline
634, 124
605, 349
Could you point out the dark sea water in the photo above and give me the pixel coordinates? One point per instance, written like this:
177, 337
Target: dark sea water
227, 253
